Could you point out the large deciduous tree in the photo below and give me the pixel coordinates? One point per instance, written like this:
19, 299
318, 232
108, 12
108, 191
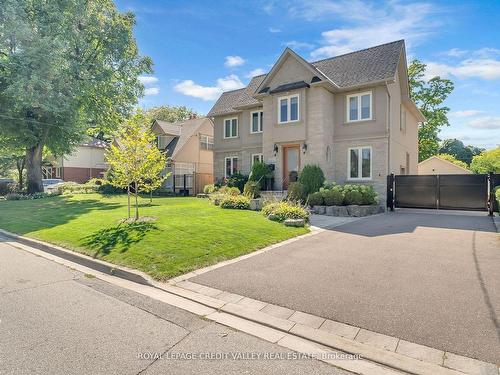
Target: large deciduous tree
135, 160
487, 161
461, 152
429, 96
171, 113
67, 68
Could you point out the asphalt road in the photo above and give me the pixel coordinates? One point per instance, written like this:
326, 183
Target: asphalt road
426, 277
54, 320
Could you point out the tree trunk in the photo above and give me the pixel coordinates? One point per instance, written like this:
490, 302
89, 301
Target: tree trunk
34, 169
20, 163
136, 203
128, 200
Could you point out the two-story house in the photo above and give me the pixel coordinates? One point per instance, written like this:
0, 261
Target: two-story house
351, 114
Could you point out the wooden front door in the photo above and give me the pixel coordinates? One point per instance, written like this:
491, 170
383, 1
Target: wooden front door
291, 163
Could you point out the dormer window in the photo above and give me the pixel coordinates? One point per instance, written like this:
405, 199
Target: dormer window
288, 109
359, 107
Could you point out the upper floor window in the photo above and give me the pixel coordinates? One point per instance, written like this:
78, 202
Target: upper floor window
256, 121
359, 163
206, 142
161, 141
288, 109
231, 127
359, 106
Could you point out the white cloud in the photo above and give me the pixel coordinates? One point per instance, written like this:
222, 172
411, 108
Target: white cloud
455, 52
274, 30
465, 113
189, 88
234, 61
369, 24
488, 69
486, 122
293, 44
256, 72
147, 80
151, 91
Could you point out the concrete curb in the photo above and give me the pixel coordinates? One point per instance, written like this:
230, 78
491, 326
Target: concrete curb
82, 259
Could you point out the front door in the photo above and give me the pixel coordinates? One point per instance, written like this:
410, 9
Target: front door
291, 162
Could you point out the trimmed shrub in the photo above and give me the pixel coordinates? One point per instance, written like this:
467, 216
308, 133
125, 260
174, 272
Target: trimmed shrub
229, 190
296, 192
353, 197
334, 197
368, 195
24, 197
315, 199
312, 178
239, 202
237, 180
209, 189
259, 173
497, 195
107, 188
252, 189
285, 210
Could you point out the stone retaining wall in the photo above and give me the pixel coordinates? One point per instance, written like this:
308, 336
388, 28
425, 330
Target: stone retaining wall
351, 210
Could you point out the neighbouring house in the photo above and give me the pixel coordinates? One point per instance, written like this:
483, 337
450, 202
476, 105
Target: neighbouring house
352, 115
189, 147
86, 162
437, 165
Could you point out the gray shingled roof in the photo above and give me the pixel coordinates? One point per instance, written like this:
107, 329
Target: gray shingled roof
225, 104
353, 69
246, 97
361, 67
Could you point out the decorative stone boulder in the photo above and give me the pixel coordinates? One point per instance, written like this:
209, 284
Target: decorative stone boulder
273, 217
295, 222
202, 195
320, 210
356, 211
340, 211
256, 204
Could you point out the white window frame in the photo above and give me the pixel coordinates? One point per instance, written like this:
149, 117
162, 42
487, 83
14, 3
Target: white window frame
260, 155
289, 108
359, 95
230, 119
260, 118
232, 164
360, 163
58, 172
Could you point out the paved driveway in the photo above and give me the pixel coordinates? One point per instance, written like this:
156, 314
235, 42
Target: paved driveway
427, 277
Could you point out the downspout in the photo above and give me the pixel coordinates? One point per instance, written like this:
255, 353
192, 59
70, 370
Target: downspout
388, 129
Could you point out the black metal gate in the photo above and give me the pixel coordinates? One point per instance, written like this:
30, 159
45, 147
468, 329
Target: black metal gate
448, 192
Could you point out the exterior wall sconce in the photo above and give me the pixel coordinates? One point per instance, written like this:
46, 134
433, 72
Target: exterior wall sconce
275, 149
304, 147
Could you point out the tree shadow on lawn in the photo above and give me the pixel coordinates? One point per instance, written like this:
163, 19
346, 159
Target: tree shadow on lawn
120, 237
32, 215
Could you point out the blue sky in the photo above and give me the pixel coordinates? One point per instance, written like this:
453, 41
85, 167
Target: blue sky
201, 48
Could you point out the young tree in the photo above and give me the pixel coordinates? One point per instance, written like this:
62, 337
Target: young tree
429, 97
487, 161
170, 113
135, 160
461, 152
66, 68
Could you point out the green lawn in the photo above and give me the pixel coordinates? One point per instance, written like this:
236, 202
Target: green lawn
189, 233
